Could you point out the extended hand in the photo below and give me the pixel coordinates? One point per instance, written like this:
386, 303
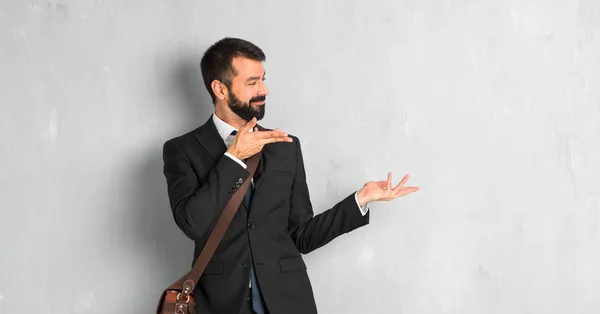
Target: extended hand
383, 191
246, 143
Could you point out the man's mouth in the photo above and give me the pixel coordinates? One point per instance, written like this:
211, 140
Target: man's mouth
258, 101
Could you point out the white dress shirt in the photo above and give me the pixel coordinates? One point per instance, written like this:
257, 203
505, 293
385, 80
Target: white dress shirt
225, 130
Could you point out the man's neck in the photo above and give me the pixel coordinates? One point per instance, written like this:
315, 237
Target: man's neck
229, 117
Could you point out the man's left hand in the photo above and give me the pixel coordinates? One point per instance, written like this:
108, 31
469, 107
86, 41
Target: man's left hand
383, 191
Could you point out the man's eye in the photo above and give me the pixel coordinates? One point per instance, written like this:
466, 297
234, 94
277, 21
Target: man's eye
253, 83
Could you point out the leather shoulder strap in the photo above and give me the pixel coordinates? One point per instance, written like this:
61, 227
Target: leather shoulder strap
219, 231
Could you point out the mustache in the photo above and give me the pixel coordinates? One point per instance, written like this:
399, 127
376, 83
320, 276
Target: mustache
258, 98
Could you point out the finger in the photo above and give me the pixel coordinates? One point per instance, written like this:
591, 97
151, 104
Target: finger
402, 183
405, 191
276, 139
389, 181
248, 126
404, 180
271, 134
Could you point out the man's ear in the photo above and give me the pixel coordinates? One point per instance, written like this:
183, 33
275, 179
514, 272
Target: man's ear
219, 89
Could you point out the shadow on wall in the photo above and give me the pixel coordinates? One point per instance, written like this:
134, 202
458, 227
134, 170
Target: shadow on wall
161, 249
193, 103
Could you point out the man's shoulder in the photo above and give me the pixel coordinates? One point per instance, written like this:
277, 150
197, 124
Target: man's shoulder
181, 140
287, 149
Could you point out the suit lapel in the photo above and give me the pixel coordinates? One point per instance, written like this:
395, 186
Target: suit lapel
208, 136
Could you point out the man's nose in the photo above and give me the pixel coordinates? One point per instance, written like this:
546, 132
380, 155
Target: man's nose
263, 89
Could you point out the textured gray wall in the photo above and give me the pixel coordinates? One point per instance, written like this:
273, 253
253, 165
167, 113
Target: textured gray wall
491, 106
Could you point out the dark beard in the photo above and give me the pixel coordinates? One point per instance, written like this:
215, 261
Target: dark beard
245, 110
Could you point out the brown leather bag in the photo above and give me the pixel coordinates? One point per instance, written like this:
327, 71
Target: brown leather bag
178, 298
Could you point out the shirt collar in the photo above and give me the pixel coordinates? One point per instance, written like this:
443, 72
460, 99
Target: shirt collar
223, 127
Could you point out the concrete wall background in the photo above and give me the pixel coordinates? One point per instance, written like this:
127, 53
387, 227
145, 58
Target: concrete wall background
491, 106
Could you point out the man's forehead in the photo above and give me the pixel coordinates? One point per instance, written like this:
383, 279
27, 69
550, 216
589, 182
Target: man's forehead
247, 67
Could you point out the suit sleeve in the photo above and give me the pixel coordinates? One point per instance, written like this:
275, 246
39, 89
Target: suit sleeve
311, 232
197, 205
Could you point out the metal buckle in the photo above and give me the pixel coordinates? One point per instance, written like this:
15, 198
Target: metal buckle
186, 301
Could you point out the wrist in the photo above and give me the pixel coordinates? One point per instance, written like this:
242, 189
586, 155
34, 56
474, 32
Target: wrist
361, 197
234, 153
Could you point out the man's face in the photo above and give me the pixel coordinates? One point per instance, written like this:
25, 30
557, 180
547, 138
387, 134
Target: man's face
248, 90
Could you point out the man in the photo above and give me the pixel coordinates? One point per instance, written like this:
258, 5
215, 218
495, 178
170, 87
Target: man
258, 267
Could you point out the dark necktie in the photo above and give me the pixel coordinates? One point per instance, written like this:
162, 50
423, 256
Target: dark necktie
258, 304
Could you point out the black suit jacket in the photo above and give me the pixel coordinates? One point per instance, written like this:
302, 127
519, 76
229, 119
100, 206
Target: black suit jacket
272, 233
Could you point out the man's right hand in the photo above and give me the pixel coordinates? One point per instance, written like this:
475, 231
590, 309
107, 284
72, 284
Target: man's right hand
246, 143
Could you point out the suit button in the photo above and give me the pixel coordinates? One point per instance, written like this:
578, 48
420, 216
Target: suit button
246, 265
250, 225
240, 180
238, 185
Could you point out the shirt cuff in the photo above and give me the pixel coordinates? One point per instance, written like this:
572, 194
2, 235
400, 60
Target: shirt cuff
364, 209
236, 160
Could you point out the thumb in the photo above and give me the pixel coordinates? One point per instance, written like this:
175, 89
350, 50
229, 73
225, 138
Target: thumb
250, 125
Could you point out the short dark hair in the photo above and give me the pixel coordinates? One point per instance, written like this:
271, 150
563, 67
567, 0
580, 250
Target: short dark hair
216, 63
